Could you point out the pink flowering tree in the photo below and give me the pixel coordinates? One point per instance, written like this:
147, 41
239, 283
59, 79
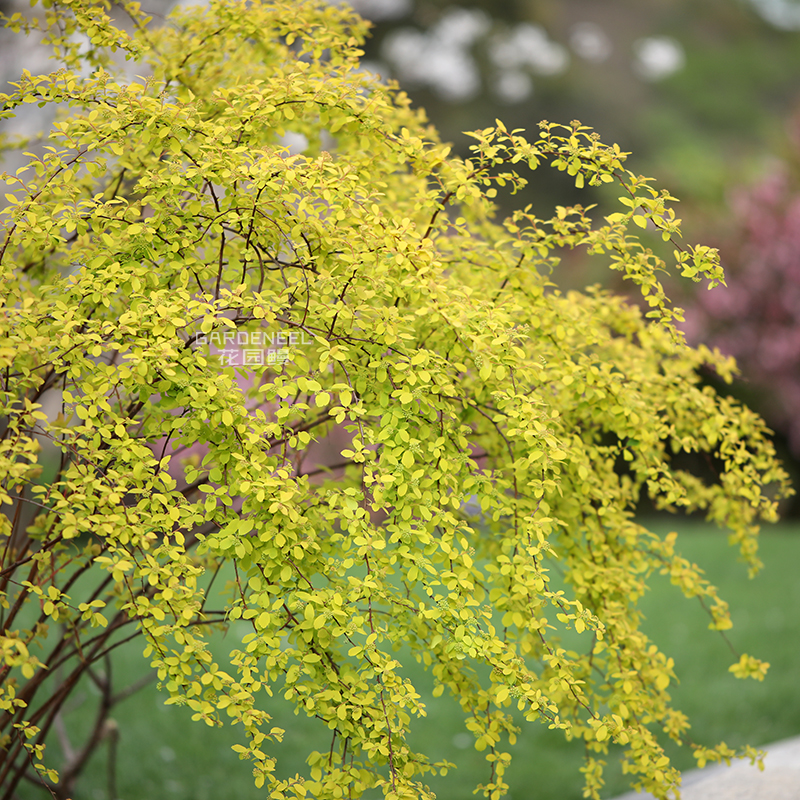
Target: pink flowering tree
756, 317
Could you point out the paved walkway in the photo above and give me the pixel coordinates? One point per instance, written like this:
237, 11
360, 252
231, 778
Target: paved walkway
780, 779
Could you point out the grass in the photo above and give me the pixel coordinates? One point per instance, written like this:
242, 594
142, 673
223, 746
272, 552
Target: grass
161, 753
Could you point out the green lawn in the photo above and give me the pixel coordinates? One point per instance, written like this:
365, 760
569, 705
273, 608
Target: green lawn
161, 754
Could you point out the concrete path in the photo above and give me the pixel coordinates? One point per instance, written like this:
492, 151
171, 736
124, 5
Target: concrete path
780, 779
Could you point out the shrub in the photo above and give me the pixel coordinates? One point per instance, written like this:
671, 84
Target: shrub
495, 428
